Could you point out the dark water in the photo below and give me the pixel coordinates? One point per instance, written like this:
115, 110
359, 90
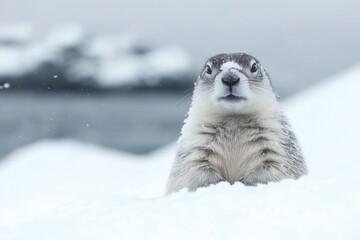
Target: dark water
137, 122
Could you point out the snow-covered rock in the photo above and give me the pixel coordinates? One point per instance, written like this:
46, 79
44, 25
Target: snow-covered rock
80, 59
70, 190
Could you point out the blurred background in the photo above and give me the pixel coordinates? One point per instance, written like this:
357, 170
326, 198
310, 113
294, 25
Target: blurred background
119, 73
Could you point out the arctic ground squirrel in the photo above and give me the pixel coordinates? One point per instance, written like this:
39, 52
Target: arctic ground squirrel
235, 129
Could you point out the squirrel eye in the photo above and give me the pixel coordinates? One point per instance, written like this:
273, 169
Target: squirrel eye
254, 68
208, 69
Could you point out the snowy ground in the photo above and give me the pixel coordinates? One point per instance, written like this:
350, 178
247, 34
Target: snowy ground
71, 190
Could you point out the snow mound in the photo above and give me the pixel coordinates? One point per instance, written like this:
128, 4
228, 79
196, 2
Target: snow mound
69, 190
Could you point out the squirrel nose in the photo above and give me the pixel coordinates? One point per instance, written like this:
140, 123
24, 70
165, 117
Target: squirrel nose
230, 79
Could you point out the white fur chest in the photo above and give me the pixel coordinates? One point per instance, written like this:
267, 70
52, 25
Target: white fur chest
234, 146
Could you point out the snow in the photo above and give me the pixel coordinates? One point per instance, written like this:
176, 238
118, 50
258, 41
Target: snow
65, 37
151, 67
5, 86
11, 61
71, 190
